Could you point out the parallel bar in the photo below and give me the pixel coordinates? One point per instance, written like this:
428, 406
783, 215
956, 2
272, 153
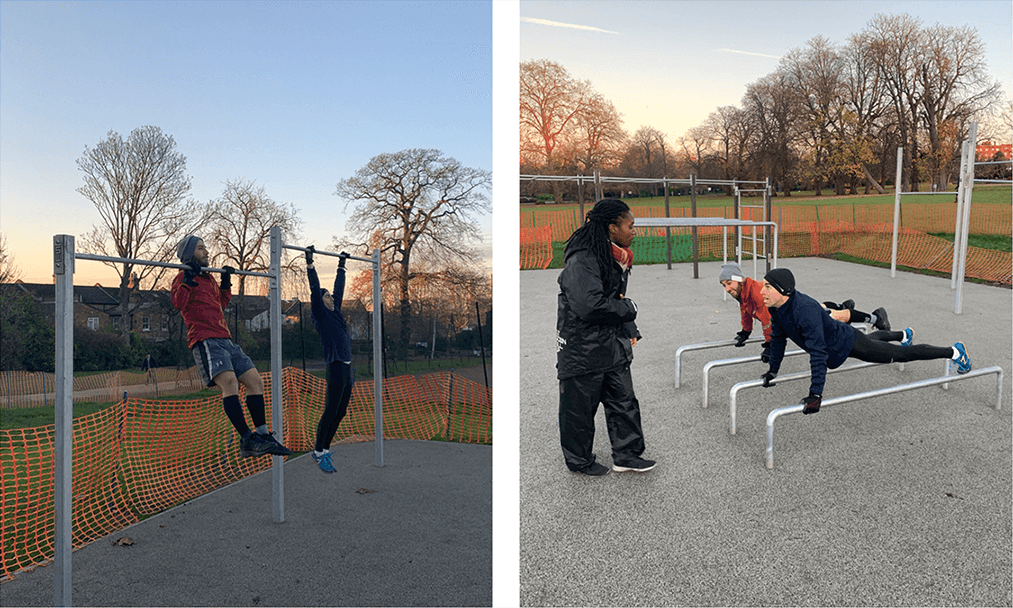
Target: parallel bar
724, 362
702, 346
927, 193
330, 253
794, 409
105, 258
733, 395
63, 446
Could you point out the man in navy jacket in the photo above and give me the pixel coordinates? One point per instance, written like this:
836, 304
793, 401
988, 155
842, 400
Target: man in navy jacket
829, 343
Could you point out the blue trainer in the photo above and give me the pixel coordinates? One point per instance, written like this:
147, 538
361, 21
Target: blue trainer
909, 337
963, 361
324, 462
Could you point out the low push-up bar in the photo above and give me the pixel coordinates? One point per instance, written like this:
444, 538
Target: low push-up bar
737, 361
702, 346
795, 409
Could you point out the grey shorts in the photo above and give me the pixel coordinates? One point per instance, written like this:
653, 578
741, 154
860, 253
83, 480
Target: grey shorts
216, 355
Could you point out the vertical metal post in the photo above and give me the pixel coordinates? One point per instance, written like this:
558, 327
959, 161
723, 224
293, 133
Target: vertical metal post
972, 139
767, 217
277, 404
668, 230
63, 455
896, 212
377, 359
957, 226
692, 195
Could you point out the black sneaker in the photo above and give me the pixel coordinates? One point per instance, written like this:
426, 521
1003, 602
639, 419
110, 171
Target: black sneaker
635, 464
275, 448
848, 304
882, 322
595, 469
254, 445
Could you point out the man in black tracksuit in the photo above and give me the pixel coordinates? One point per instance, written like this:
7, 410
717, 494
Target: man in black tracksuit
829, 342
595, 334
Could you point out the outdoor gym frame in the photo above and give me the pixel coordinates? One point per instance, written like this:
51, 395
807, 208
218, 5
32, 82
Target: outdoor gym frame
64, 257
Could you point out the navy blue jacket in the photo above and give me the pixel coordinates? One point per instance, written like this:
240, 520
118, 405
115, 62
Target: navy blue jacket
330, 324
808, 325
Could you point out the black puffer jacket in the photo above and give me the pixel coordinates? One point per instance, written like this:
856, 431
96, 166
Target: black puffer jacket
593, 325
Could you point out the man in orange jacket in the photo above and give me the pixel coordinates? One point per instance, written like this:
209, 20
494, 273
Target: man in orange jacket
751, 306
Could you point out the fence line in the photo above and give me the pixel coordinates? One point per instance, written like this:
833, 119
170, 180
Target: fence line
32, 389
142, 456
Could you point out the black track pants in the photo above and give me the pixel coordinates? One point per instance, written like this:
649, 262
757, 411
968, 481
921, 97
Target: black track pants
578, 403
339, 391
877, 348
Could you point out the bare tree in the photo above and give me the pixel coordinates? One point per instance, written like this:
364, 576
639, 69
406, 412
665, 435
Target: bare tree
139, 187
415, 204
771, 105
9, 273
599, 133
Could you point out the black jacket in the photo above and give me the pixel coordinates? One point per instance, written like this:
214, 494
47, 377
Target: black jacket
593, 325
802, 320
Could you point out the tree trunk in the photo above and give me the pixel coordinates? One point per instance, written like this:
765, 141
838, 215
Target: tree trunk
869, 180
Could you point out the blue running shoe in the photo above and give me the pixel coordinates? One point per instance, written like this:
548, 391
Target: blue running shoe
963, 362
909, 337
324, 462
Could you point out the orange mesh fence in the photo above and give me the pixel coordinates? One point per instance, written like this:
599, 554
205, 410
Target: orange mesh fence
536, 247
34, 389
140, 457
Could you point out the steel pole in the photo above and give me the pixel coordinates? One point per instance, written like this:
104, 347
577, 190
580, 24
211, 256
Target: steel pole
63, 445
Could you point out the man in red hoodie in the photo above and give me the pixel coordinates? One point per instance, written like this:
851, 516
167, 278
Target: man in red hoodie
751, 306
201, 301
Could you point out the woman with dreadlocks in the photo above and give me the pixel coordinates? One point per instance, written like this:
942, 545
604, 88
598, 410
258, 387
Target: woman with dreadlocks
595, 334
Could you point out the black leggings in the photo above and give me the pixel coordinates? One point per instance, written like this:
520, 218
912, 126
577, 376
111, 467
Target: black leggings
339, 391
877, 348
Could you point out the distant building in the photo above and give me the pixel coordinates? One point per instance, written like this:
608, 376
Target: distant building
987, 151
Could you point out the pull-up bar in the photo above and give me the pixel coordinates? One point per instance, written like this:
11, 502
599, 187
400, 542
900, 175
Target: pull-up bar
794, 409
330, 253
105, 258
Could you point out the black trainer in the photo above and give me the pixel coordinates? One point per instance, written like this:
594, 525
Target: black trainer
595, 469
849, 304
254, 445
275, 448
882, 322
635, 464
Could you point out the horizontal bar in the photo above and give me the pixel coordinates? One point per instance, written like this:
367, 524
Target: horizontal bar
994, 162
733, 395
330, 253
105, 258
702, 346
725, 362
794, 409
675, 222
950, 193
993, 181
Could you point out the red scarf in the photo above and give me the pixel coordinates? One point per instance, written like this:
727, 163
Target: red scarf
623, 255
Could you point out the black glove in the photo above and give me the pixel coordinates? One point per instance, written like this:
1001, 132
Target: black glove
342, 258
767, 379
226, 278
741, 337
309, 254
811, 403
191, 273
765, 354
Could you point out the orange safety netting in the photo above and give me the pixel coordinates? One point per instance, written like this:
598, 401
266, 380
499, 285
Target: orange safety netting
34, 389
536, 247
140, 457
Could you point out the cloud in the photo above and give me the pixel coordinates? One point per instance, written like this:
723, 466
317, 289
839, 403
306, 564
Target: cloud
748, 53
567, 25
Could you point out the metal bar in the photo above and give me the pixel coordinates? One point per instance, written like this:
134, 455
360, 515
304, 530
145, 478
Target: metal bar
962, 179
993, 181
965, 226
702, 346
896, 212
925, 193
63, 445
725, 362
993, 162
105, 258
277, 401
377, 358
330, 253
733, 395
794, 409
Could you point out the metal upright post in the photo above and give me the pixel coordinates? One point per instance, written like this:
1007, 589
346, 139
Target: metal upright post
696, 255
63, 454
896, 211
277, 405
957, 224
972, 139
377, 359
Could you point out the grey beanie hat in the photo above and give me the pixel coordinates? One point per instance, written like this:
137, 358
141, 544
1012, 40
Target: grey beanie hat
730, 272
186, 247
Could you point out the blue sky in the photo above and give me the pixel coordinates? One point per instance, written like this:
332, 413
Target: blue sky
295, 96
669, 64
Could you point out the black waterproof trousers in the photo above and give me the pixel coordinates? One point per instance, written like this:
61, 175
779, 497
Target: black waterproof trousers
578, 403
877, 348
339, 391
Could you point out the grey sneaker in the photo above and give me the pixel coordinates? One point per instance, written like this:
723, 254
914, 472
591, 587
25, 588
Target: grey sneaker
635, 464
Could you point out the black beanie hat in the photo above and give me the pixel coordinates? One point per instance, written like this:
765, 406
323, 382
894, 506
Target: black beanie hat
782, 280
